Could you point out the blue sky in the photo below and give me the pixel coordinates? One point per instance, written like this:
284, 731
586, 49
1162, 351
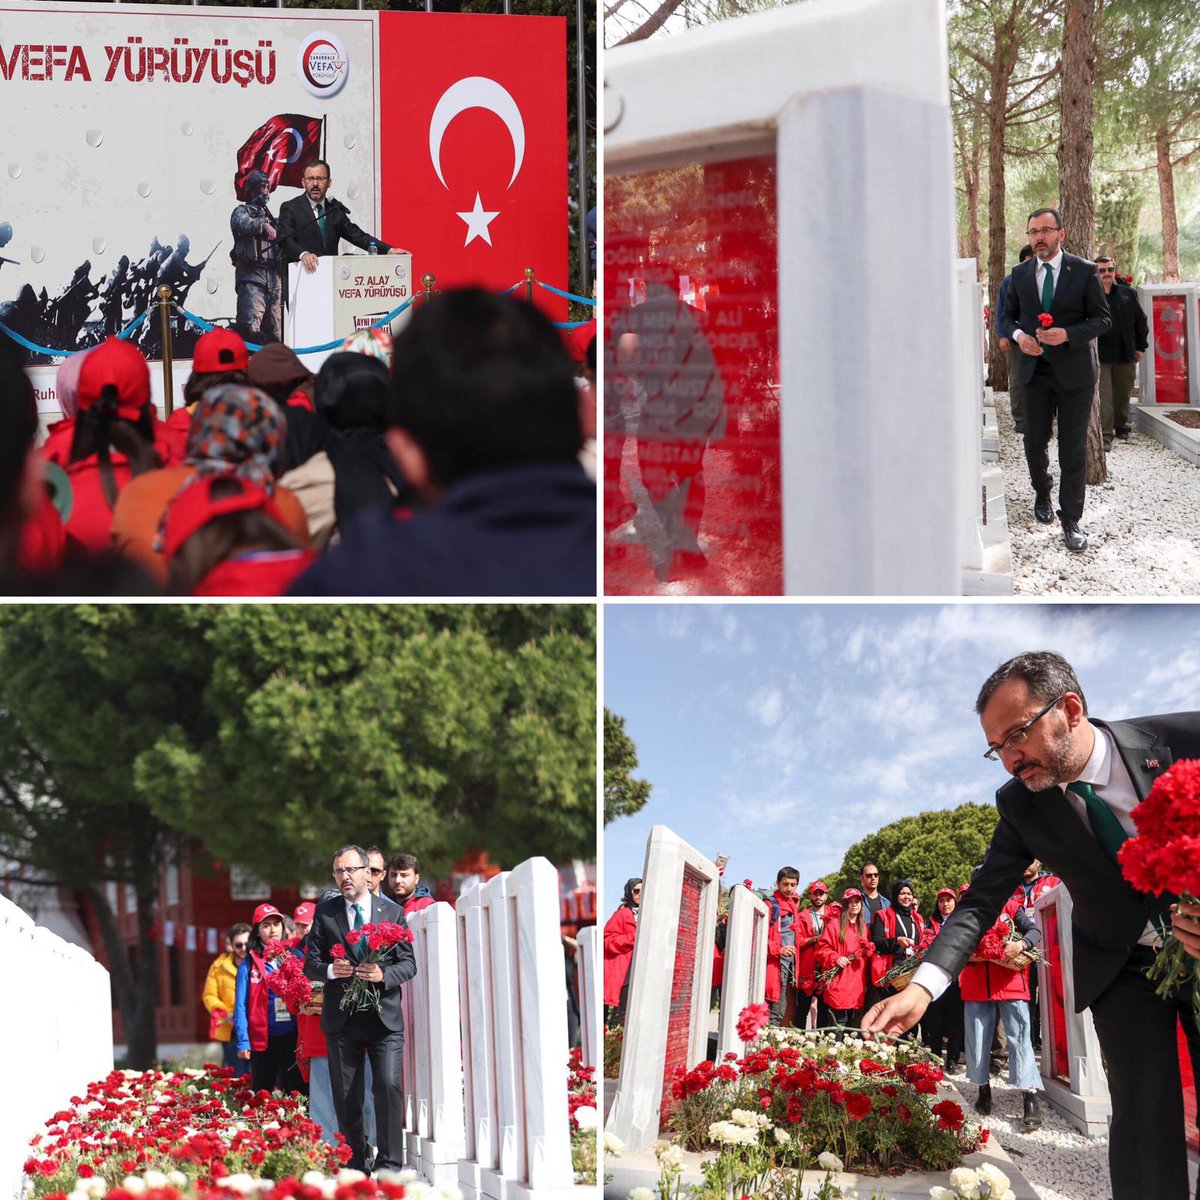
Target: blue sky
783, 733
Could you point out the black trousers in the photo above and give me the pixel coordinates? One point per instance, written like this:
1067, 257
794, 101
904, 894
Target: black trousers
1147, 1151
365, 1034
943, 1021
1045, 399
274, 1069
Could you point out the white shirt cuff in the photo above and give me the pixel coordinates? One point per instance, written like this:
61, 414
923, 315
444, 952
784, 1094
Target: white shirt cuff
329, 972
932, 978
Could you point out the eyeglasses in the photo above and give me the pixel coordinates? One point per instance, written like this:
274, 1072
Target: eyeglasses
346, 870
1020, 734
376, 870
1108, 270
1043, 231
241, 945
870, 874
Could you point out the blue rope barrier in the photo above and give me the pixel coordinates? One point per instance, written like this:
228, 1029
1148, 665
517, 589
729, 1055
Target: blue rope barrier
570, 324
568, 295
53, 353
509, 291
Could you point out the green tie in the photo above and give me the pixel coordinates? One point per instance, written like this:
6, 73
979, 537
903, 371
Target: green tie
321, 227
1047, 286
357, 950
1108, 830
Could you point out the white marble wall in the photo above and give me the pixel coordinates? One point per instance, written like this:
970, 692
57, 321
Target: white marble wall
968, 390
634, 1116
587, 983
745, 975
65, 1039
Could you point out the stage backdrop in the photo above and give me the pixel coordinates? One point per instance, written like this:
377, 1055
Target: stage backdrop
129, 126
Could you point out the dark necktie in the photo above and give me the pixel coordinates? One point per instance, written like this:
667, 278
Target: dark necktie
321, 227
1047, 287
357, 950
1108, 830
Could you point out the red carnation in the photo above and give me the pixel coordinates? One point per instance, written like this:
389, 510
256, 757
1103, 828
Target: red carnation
337, 950
355, 935
1045, 320
751, 1021
949, 1115
858, 1105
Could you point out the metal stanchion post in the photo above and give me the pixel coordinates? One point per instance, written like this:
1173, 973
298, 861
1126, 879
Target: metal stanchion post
164, 317
427, 282
528, 285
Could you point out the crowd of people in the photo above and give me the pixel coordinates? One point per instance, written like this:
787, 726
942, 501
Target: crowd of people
452, 462
830, 959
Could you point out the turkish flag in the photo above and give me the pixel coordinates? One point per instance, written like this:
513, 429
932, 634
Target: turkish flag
280, 149
473, 113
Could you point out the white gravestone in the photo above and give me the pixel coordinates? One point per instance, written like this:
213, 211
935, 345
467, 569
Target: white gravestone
745, 976
850, 98
670, 981
586, 984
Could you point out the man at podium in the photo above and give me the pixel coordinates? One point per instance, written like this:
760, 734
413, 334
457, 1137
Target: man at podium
312, 225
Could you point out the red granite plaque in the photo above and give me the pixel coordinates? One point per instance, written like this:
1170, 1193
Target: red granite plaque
683, 984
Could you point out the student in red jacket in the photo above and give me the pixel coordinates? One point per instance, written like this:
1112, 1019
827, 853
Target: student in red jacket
896, 930
781, 943
220, 357
845, 944
810, 924
265, 1030
619, 934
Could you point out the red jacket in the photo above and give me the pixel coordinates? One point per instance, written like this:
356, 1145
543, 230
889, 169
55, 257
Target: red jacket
177, 426
806, 956
982, 981
887, 919
42, 540
256, 575
848, 988
775, 943
416, 903
619, 934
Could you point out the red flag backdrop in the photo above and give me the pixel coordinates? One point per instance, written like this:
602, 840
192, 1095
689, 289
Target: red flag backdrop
280, 148
485, 96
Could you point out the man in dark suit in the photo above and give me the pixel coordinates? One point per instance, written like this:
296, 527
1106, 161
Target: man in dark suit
1076, 783
352, 1035
1057, 365
312, 225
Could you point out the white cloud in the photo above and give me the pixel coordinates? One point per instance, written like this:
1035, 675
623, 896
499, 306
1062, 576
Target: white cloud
766, 706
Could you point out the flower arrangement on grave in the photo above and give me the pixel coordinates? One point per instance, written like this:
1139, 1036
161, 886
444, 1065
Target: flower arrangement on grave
380, 936
1165, 859
202, 1125
614, 1042
796, 1094
581, 1107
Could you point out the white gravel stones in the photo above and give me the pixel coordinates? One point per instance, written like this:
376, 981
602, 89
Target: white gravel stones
1056, 1159
1143, 525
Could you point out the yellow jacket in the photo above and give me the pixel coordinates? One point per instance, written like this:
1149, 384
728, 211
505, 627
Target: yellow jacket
220, 988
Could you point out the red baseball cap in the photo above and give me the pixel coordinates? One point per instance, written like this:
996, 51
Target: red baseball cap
304, 913
194, 507
852, 894
263, 911
947, 892
819, 886
116, 364
220, 350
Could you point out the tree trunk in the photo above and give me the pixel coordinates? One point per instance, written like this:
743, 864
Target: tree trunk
1003, 62
1078, 77
1166, 200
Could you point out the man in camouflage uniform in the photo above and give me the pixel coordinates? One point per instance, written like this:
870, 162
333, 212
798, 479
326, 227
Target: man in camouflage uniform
255, 258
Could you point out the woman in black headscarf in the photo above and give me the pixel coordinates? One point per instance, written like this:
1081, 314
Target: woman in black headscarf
619, 935
896, 931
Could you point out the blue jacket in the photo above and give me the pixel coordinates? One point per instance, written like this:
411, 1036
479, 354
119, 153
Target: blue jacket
527, 530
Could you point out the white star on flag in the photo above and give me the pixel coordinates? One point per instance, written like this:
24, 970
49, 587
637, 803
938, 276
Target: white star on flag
478, 221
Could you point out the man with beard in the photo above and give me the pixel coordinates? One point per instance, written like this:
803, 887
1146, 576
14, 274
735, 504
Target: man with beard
1076, 781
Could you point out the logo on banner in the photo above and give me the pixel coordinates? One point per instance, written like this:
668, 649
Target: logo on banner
323, 64
476, 91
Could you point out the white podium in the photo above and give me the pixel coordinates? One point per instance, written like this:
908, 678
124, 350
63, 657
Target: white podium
346, 292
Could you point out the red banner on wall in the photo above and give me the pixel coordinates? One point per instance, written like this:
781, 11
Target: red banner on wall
473, 115
1168, 329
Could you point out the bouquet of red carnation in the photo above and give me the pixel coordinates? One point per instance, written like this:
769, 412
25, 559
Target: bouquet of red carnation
274, 951
380, 937
289, 982
823, 977
993, 944
1165, 859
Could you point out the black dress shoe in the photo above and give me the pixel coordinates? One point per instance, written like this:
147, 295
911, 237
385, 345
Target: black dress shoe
1074, 539
983, 1102
1123, 432
1043, 510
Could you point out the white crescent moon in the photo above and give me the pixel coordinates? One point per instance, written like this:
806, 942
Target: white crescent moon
298, 143
476, 92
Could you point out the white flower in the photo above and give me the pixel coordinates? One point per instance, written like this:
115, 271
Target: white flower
387, 1176
829, 1162
241, 1183
312, 1178
613, 1145
155, 1180
77, 1195
177, 1179
585, 1117
642, 1193
995, 1179
730, 1134
941, 1193
782, 1136
95, 1187
133, 1185
966, 1183
346, 1175
406, 1177
669, 1155
749, 1120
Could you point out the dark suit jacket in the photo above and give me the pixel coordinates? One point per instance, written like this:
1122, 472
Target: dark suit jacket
296, 218
1108, 915
399, 965
1079, 307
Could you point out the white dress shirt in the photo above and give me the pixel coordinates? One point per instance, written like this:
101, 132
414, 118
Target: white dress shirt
1039, 277
365, 903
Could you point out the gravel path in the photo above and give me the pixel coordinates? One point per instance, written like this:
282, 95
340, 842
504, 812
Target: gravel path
1143, 525
1058, 1161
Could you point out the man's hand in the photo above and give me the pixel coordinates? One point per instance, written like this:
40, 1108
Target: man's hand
902, 942
270, 232
1185, 925
343, 968
1005, 345
787, 951
843, 961
371, 972
1139, 356
897, 1013
309, 261
1030, 345
1054, 336
397, 250
244, 1054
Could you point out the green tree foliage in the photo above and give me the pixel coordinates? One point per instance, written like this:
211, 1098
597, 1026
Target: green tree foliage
623, 795
274, 733
933, 849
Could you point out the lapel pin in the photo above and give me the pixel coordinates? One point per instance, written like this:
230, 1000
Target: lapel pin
1152, 764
